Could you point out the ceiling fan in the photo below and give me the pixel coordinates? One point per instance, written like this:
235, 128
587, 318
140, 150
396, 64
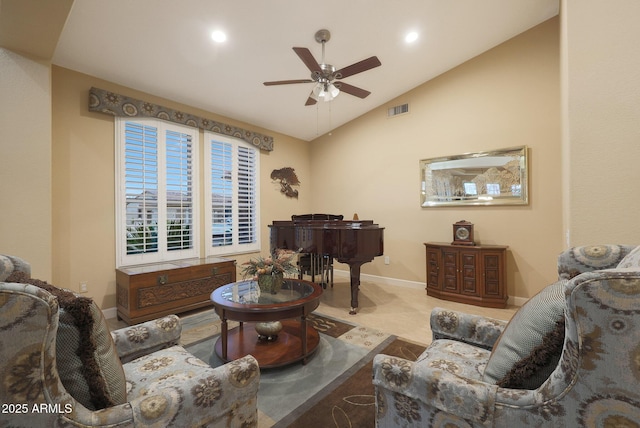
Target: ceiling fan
325, 75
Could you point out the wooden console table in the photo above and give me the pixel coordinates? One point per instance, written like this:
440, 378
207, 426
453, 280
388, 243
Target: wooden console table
467, 274
150, 291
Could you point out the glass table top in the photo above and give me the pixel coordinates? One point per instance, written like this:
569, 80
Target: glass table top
248, 292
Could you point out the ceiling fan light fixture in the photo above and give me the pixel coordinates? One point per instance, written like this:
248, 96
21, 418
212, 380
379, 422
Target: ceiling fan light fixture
330, 92
318, 92
324, 91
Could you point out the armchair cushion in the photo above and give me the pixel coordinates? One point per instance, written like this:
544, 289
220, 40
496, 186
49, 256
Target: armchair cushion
87, 361
474, 329
631, 260
530, 346
458, 358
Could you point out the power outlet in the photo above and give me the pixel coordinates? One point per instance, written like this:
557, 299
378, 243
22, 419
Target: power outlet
83, 287
387, 260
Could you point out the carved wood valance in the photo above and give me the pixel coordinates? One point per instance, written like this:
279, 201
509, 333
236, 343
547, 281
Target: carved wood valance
118, 105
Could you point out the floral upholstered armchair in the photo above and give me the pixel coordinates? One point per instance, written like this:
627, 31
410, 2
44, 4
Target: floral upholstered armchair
61, 367
570, 357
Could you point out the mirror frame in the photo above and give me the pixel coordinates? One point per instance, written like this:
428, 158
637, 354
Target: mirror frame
461, 180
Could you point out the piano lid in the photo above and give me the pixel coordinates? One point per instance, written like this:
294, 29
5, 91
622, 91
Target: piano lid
326, 224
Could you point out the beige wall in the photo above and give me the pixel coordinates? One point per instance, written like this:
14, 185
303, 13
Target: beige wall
505, 97
25, 160
601, 120
83, 183
509, 96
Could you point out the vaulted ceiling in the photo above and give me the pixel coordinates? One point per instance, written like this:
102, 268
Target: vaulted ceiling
165, 48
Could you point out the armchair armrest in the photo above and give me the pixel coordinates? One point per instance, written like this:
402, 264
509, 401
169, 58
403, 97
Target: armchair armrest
236, 383
142, 339
473, 329
468, 399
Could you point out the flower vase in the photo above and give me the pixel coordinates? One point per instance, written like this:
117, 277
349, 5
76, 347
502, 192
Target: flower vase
270, 283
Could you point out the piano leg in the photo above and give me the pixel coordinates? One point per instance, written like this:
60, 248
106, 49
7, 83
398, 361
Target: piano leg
354, 269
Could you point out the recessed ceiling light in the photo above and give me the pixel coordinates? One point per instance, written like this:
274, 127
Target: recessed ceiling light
218, 36
411, 37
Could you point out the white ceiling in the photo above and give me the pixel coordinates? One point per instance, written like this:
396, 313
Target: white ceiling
163, 47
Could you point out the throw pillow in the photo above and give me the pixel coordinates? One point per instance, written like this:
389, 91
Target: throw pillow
631, 260
87, 360
529, 348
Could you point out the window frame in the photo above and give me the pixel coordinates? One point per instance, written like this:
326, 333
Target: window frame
235, 247
163, 254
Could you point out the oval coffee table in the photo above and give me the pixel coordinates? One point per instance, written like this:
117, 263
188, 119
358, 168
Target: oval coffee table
241, 301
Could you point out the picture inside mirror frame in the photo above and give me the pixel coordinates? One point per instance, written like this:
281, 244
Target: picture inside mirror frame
497, 177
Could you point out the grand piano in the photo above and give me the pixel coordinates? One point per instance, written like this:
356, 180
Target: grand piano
353, 242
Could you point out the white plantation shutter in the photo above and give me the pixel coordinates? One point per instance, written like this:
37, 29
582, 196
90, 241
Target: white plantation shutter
141, 188
179, 190
221, 194
156, 173
247, 207
232, 193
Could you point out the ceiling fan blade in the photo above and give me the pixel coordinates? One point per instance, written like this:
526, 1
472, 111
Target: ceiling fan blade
352, 90
310, 101
287, 82
358, 67
308, 59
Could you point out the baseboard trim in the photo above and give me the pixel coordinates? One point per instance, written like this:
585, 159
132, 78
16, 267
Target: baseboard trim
381, 279
513, 300
517, 301
110, 313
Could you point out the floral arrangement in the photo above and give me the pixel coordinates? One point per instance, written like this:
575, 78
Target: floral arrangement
280, 262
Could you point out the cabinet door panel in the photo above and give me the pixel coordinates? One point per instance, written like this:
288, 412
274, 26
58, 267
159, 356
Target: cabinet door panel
450, 280
469, 262
433, 268
493, 272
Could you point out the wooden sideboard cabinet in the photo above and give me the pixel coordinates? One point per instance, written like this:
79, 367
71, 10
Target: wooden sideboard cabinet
467, 274
150, 291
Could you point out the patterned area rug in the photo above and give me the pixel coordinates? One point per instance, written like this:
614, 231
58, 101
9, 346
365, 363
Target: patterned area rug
333, 389
349, 400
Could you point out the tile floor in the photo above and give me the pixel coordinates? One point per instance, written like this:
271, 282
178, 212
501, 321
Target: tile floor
403, 311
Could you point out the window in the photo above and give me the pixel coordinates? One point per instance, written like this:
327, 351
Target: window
157, 191
232, 221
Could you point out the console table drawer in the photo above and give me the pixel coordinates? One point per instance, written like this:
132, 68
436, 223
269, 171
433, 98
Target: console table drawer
150, 291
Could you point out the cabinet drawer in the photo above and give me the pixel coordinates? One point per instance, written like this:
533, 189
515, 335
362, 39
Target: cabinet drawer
169, 276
